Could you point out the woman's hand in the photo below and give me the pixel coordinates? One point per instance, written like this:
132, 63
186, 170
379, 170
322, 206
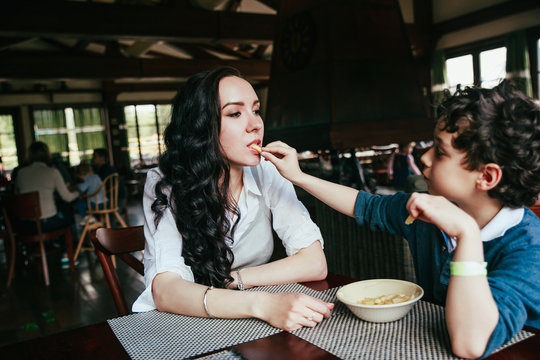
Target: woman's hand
291, 311
284, 159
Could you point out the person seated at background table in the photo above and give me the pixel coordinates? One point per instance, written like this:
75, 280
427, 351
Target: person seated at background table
209, 212
101, 166
483, 168
40, 177
89, 184
401, 165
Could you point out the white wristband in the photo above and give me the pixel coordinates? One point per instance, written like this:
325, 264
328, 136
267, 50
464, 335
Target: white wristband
468, 268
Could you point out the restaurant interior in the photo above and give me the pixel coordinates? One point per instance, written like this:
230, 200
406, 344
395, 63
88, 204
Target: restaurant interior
342, 81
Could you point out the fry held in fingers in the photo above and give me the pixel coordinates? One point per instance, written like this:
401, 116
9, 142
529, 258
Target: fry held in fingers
256, 148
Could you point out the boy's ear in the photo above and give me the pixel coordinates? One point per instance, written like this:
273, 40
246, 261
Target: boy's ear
490, 177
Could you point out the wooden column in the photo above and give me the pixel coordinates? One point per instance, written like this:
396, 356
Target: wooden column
116, 134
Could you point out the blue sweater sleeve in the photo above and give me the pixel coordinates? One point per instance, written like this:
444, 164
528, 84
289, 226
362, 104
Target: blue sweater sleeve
384, 213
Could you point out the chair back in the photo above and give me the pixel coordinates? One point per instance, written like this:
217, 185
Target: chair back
109, 189
535, 209
24, 206
120, 242
6, 233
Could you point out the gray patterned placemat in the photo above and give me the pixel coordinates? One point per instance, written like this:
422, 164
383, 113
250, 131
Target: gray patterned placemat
421, 334
158, 335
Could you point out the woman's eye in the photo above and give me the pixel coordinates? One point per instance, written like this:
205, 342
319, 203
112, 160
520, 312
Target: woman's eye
257, 112
438, 152
234, 114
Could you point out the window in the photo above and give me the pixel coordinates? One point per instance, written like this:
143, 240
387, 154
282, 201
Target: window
8, 147
492, 67
145, 125
459, 71
485, 67
71, 132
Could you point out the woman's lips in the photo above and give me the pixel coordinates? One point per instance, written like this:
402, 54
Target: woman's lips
255, 147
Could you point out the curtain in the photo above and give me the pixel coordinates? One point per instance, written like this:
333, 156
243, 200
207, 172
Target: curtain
438, 69
89, 130
517, 61
50, 128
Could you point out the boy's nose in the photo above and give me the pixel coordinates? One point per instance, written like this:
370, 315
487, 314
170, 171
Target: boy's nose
426, 158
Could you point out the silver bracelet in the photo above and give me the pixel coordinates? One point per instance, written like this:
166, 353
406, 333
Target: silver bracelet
240, 283
204, 301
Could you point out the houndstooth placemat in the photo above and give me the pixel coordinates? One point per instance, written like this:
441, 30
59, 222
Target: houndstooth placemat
158, 335
421, 334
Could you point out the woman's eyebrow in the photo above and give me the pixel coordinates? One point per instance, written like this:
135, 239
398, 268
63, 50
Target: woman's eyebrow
240, 103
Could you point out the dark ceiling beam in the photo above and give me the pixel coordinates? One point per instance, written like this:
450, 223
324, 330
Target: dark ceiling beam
194, 50
113, 22
492, 13
8, 42
274, 4
42, 67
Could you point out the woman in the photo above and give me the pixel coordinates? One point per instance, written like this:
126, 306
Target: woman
40, 177
209, 211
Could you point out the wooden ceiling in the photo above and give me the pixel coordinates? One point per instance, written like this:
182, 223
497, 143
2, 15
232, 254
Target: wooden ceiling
146, 44
154, 45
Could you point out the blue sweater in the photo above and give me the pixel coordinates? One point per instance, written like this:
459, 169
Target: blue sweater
513, 261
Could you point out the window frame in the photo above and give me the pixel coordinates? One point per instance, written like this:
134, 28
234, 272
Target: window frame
160, 131
533, 37
15, 114
475, 49
63, 107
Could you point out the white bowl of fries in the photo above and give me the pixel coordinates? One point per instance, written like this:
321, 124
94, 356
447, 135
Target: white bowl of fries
380, 300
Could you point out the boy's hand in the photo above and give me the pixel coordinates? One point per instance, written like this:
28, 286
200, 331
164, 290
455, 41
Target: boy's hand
442, 213
284, 159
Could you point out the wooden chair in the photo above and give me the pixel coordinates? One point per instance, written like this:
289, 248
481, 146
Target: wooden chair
535, 209
27, 207
6, 233
119, 242
101, 215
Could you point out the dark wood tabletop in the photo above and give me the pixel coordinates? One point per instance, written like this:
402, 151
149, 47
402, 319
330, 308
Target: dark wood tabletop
99, 342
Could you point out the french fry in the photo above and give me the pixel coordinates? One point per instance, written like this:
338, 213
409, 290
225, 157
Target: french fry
409, 220
256, 148
386, 299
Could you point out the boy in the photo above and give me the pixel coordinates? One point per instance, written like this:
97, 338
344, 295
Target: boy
483, 169
89, 185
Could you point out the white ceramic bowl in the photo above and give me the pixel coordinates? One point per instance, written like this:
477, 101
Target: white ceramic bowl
354, 292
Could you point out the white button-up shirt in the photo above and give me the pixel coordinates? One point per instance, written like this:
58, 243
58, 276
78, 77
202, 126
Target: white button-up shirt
267, 200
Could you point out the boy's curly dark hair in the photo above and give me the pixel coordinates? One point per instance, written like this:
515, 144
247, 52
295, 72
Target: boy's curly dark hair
501, 126
196, 175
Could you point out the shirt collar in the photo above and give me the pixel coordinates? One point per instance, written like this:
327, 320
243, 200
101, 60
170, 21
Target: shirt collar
250, 184
505, 219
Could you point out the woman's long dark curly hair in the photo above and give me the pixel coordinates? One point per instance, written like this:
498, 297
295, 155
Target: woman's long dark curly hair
196, 174
501, 126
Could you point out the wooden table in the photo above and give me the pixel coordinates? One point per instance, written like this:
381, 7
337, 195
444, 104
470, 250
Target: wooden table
99, 342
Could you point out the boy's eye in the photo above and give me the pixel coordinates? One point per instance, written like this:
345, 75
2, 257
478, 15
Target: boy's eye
438, 152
